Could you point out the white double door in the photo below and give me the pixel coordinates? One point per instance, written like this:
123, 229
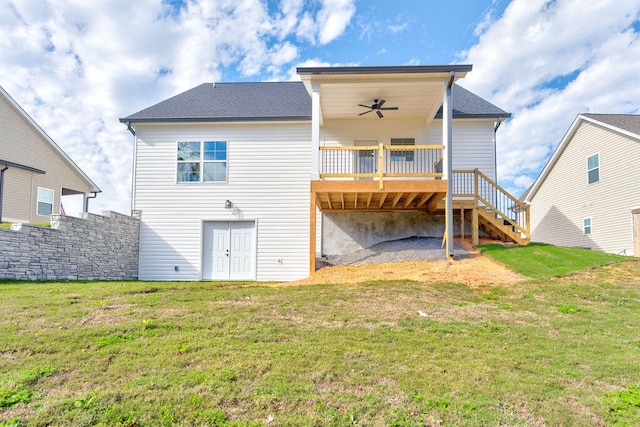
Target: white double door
229, 250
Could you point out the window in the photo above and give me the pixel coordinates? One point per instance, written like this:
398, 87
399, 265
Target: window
587, 225
402, 155
593, 168
202, 161
45, 201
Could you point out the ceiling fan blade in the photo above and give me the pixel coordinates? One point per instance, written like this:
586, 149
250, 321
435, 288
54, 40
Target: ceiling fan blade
388, 108
382, 101
365, 112
379, 114
365, 106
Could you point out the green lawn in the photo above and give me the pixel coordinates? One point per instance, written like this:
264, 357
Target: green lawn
559, 351
540, 260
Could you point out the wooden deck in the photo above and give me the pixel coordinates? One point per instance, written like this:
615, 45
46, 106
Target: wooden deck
387, 178
400, 195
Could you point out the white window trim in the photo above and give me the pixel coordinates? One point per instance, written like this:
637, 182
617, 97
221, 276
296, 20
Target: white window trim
589, 170
201, 162
38, 200
584, 226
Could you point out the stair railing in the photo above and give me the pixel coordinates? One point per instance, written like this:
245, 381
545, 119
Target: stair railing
487, 193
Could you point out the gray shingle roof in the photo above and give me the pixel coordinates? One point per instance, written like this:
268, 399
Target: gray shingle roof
467, 104
271, 101
232, 101
628, 122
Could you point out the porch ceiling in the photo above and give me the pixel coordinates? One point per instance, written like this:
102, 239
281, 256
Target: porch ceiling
405, 195
416, 91
413, 99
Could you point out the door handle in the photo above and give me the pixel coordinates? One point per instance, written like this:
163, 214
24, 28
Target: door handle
227, 252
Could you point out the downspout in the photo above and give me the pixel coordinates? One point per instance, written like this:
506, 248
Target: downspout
495, 148
133, 167
86, 201
2, 188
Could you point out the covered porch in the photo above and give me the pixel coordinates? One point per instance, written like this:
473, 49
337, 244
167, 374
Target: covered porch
382, 142
416, 93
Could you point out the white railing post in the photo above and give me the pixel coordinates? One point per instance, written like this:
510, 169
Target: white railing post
315, 132
447, 130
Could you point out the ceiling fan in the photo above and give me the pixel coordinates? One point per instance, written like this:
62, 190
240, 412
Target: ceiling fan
376, 106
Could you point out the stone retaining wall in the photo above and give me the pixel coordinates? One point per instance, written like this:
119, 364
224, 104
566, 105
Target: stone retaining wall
93, 247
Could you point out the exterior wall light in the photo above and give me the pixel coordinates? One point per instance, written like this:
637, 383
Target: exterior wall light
228, 204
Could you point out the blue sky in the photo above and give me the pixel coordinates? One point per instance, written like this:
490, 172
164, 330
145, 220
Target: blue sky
76, 67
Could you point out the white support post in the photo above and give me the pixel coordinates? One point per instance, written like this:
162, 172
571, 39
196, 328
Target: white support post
315, 131
447, 130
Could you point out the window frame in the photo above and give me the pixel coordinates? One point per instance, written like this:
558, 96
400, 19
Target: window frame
402, 155
45, 202
202, 160
596, 168
587, 229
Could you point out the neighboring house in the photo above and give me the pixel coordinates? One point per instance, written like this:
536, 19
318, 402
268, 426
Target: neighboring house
586, 193
257, 180
34, 171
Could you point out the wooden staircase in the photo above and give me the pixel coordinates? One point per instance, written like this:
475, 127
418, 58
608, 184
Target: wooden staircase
494, 211
496, 227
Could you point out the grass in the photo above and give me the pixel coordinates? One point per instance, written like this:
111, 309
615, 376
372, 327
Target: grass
559, 351
540, 260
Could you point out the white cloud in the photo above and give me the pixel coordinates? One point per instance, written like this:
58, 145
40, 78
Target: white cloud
333, 18
520, 58
398, 28
77, 67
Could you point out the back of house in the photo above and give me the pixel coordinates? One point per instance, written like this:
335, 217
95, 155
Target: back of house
227, 176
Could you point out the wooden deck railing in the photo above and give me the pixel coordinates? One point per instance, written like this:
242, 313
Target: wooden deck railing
473, 184
381, 161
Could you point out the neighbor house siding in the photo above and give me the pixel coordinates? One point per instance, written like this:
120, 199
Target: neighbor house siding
17, 199
22, 144
565, 197
269, 167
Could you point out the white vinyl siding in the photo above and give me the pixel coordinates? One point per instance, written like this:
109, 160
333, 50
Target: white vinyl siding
268, 182
473, 145
565, 197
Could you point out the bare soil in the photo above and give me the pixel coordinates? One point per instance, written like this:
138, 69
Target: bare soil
475, 271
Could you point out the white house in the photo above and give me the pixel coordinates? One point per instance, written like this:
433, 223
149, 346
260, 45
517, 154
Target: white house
586, 193
256, 180
34, 171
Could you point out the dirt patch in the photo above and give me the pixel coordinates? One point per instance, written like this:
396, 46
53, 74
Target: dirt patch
475, 270
106, 315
